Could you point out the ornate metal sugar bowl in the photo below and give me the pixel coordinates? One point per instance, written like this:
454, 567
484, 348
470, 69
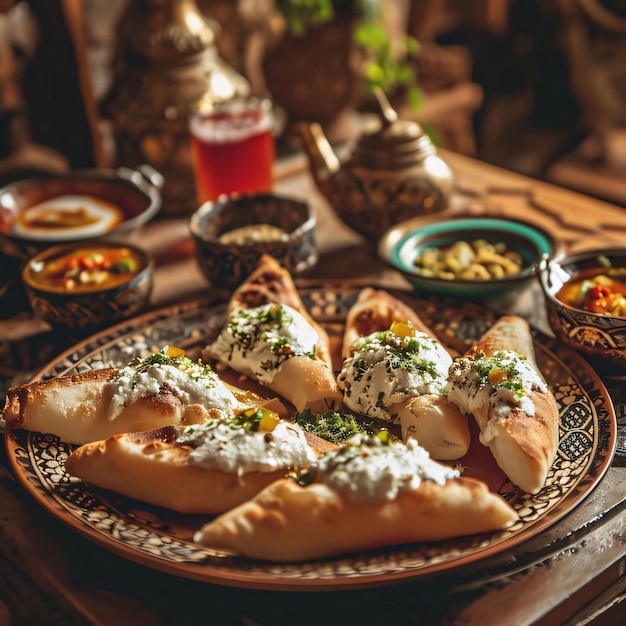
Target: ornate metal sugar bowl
167, 64
394, 173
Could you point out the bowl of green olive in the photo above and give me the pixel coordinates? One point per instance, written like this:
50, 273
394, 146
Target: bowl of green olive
474, 258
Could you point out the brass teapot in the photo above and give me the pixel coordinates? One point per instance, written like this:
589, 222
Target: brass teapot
394, 173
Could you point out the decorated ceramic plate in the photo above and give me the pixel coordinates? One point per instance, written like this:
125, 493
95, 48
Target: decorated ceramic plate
163, 540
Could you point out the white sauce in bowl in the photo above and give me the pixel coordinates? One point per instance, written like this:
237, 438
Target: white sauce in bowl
67, 217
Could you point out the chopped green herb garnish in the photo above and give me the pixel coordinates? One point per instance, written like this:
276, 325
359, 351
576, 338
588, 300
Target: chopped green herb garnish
498, 371
197, 368
265, 324
402, 353
123, 266
332, 426
304, 477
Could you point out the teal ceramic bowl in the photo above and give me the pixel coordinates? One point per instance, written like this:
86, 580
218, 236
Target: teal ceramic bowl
401, 245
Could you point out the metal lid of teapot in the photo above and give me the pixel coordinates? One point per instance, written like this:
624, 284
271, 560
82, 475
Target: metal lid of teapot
388, 141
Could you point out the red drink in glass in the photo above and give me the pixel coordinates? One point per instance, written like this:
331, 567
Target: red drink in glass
233, 150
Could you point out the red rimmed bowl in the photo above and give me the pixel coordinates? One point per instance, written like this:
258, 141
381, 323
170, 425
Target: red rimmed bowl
83, 205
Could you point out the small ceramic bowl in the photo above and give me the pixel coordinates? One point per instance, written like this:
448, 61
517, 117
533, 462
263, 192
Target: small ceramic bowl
599, 336
231, 234
403, 244
87, 286
43, 211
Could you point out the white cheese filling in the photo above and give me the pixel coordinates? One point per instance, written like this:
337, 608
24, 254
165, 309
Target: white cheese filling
384, 369
191, 382
500, 381
368, 469
257, 341
234, 449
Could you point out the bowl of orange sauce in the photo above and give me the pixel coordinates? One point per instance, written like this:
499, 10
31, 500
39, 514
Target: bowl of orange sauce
585, 295
85, 286
82, 205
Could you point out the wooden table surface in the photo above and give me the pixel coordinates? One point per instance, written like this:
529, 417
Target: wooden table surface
572, 570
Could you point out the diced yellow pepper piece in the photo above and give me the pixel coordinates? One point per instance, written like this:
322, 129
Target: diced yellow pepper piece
383, 436
173, 352
269, 421
400, 329
497, 376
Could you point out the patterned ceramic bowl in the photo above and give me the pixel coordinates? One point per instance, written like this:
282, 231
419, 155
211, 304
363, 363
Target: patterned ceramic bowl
87, 286
405, 245
232, 234
599, 336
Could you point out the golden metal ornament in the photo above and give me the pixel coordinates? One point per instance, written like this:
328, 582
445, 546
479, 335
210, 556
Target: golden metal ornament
167, 64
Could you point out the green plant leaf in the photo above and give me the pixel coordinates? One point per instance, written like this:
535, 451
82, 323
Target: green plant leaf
382, 69
432, 134
412, 46
369, 9
416, 98
371, 35
404, 74
374, 73
302, 14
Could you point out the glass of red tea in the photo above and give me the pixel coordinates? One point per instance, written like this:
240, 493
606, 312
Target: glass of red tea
232, 148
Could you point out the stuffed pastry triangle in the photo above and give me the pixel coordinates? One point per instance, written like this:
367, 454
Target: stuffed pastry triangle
270, 337
395, 370
205, 468
499, 383
165, 388
367, 494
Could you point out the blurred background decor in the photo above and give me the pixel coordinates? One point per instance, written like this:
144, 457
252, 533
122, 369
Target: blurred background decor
324, 57
166, 63
310, 84
110, 83
20, 154
594, 43
533, 86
